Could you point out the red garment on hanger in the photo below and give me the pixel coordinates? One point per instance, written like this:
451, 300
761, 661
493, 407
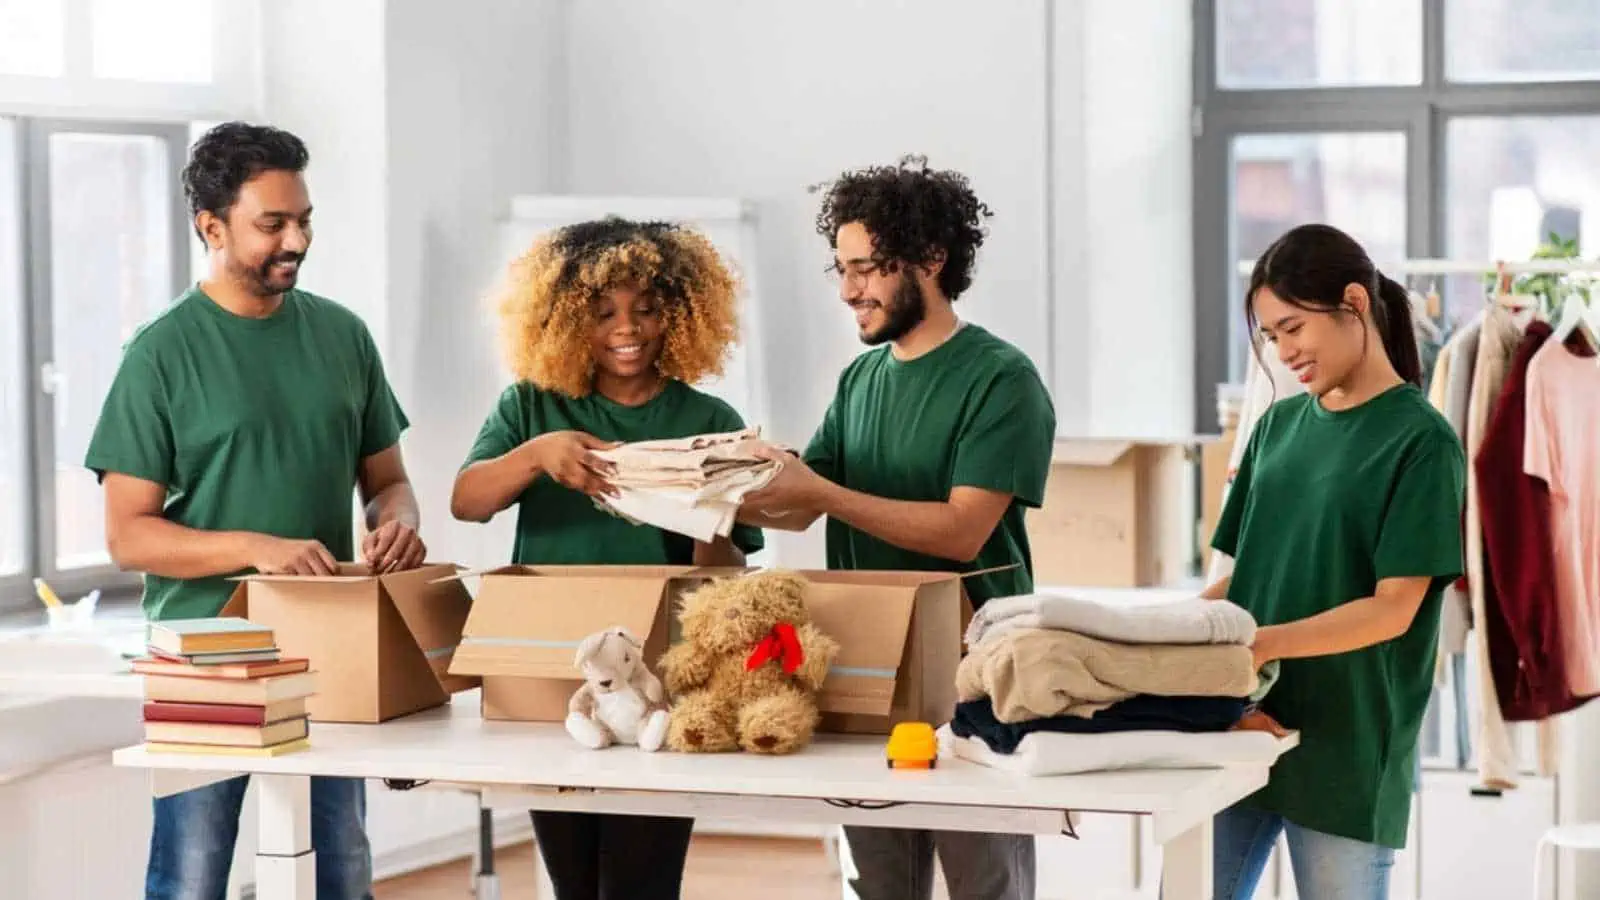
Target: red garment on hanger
1523, 628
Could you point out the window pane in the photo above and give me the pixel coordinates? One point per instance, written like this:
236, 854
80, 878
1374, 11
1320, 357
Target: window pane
14, 518
1511, 183
1356, 182
153, 40
32, 38
1522, 40
1265, 44
111, 269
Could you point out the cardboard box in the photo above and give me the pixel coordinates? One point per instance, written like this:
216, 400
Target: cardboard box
1213, 485
900, 636
381, 644
527, 621
1116, 513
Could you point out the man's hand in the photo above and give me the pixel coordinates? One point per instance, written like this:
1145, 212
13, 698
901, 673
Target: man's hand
1264, 650
793, 488
289, 556
393, 547
568, 457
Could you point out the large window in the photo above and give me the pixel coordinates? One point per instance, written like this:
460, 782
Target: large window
98, 102
1425, 128
106, 247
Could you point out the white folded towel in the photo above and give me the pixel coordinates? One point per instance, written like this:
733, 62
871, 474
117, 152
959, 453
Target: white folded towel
1194, 620
1043, 754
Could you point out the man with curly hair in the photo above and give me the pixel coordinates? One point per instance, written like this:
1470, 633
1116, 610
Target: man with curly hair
240, 422
607, 324
933, 447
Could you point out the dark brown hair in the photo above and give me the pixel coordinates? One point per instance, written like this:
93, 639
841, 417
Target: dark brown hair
1309, 267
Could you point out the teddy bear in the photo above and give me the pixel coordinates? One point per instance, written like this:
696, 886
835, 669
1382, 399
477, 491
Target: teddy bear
749, 665
621, 700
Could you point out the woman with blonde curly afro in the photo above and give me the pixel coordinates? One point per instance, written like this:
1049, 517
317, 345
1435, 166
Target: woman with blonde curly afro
607, 324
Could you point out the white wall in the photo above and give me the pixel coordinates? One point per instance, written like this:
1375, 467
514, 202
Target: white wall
420, 134
472, 116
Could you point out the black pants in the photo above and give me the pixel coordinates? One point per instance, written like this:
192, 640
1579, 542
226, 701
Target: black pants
594, 856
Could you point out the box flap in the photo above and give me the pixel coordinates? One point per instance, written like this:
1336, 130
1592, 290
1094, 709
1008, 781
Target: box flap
1089, 451
406, 680
530, 625
870, 619
434, 610
347, 572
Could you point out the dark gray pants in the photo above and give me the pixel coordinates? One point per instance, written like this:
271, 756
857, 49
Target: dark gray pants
897, 864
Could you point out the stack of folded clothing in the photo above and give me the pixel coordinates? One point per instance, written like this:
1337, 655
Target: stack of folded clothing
691, 485
1093, 685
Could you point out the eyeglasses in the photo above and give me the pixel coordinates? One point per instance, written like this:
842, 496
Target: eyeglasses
858, 271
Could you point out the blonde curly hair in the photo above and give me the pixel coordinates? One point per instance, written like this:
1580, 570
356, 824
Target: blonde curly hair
545, 305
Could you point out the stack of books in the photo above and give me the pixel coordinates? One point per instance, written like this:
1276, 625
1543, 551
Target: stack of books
220, 686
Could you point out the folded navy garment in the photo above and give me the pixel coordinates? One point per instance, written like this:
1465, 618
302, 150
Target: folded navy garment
1144, 712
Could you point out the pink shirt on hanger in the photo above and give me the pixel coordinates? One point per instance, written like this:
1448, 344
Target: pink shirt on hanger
1562, 448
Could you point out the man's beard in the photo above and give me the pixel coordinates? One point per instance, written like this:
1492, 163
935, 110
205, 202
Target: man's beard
263, 283
903, 312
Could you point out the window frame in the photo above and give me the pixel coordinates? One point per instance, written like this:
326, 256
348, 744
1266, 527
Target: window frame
1422, 111
33, 150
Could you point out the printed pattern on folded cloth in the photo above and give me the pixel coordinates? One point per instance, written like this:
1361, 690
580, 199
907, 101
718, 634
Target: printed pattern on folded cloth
1143, 712
1044, 754
1194, 620
1035, 673
691, 486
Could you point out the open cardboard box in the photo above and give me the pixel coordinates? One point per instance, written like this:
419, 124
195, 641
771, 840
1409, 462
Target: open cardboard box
899, 632
381, 644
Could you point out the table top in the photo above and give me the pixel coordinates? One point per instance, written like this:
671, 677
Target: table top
453, 744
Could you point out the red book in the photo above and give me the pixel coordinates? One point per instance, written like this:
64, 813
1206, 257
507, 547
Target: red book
223, 713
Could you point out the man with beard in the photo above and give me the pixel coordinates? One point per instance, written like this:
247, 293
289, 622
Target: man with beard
935, 443
239, 424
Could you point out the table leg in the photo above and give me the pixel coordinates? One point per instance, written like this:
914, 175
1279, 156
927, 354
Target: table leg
486, 884
1186, 866
286, 867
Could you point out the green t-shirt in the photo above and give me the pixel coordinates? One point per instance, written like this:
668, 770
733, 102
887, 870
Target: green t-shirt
559, 526
1323, 506
251, 424
972, 412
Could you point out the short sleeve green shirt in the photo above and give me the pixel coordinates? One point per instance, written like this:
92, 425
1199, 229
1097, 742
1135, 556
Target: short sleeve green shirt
559, 526
1325, 505
251, 424
971, 412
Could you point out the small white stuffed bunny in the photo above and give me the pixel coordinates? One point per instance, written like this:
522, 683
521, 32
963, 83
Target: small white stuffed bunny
621, 701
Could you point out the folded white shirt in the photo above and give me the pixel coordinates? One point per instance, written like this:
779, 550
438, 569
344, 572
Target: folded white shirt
1195, 620
691, 486
1050, 753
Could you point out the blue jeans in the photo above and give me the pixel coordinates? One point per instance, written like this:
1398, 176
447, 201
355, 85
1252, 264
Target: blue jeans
1326, 866
191, 844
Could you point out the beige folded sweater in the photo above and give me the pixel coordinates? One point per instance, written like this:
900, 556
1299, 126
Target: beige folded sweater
1033, 673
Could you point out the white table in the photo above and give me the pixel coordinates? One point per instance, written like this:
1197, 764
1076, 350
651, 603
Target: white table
838, 780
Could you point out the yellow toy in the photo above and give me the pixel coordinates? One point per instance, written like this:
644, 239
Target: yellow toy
749, 667
913, 745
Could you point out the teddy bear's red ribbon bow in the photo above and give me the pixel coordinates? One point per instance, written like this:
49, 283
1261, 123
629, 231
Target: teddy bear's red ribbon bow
780, 644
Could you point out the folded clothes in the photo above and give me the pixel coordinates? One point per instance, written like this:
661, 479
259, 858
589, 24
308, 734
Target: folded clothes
1143, 712
1191, 621
1043, 754
690, 486
1034, 673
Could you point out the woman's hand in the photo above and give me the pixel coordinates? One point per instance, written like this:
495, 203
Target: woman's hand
1256, 720
1264, 650
568, 457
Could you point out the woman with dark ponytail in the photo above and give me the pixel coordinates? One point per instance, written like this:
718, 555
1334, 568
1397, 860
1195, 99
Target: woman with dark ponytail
1344, 525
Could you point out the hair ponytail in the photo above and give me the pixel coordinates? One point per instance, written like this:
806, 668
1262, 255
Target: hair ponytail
1392, 313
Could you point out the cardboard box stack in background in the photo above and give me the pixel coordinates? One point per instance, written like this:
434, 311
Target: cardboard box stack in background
1116, 513
900, 636
381, 644
222, 686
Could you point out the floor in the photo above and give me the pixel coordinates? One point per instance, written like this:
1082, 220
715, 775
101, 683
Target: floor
718, 867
